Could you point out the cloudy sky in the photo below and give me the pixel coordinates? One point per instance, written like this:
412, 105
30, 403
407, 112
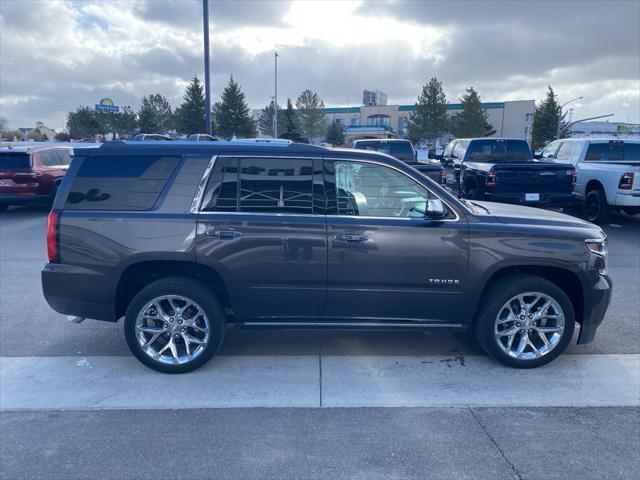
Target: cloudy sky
56, 54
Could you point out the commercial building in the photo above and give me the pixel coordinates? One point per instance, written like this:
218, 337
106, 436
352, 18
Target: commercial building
376, 119
590, 129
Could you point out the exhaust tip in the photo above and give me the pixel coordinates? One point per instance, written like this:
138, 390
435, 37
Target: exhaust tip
74, 319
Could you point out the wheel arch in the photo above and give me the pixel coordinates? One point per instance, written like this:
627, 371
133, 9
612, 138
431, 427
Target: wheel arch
138, 275
568, 281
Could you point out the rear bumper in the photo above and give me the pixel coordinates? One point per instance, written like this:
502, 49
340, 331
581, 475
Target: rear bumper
78, 291
546, 199
628, 199
10, 198
595, 306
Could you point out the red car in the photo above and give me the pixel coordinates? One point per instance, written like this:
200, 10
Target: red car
31, 173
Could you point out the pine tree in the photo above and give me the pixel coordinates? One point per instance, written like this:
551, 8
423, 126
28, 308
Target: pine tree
335, 134
189, 117
265, 121
310, 114
545, 121
291, 125
233, 116
472, 121
430, 120
155, 114
83, 123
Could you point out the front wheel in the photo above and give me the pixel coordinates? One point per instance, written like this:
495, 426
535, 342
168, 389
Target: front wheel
174, 325
525, 321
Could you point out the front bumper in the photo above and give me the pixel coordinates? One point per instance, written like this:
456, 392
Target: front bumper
546, 199
596, 302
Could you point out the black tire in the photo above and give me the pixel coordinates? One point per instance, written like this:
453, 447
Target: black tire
501, 292
596, 208
631, 210
192, 290
3, 207
473, 193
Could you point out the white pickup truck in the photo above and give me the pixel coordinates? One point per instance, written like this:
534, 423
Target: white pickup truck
608, 173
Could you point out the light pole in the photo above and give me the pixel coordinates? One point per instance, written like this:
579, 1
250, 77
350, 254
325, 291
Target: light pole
275, 100
560, 115
207, 76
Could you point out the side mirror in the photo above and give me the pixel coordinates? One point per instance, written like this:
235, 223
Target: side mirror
435, 209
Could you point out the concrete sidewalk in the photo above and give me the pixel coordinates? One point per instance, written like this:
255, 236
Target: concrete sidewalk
93, 383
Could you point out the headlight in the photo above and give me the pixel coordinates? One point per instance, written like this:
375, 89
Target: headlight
599, 253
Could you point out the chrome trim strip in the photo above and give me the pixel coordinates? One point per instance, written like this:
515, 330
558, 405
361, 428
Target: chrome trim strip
197, 199
353, 324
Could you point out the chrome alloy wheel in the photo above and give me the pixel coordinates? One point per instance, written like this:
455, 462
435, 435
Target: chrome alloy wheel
529, 326
172, 329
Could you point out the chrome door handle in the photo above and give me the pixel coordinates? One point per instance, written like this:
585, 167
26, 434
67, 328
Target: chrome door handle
349, 238
223, 234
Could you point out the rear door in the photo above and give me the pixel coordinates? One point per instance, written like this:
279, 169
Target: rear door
386, 261
262, 225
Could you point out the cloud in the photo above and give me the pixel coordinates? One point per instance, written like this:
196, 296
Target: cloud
58, 54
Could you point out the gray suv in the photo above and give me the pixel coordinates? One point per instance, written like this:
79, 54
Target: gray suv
184, 238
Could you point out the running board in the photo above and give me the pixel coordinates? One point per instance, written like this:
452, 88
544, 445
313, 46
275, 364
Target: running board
350, 325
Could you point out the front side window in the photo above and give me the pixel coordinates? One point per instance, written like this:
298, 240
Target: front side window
372, 190
564, 152
550, 150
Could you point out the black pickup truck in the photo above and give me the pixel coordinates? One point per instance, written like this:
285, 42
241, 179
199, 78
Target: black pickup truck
403, 150
503, 170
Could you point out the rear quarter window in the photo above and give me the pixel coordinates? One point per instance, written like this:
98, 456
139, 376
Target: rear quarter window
14, 160
120, 183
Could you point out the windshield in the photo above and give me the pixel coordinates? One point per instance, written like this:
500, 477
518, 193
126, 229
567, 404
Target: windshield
499, 151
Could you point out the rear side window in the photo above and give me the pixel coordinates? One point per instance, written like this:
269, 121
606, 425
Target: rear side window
14, 160
120, 183
605, 152
261, 185
498, 151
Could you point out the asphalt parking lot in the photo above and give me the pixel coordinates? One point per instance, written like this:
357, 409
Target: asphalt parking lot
274, 405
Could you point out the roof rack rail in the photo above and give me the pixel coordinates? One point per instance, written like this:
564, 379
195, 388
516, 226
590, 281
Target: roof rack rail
269, 141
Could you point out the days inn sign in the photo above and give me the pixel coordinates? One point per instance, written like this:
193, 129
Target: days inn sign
106, 105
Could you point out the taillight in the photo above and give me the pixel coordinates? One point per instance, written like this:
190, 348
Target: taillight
492, 179
626, 181
53, 244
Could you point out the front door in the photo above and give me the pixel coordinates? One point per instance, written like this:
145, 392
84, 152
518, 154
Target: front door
262, 228
386, 261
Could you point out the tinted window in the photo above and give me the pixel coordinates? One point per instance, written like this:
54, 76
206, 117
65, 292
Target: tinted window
605, 151
367, 189
221, 194
276, 185
632, 152
498, 151
399, 150
14, 160
120, 183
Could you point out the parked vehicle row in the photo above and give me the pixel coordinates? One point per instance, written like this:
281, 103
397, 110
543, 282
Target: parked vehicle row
31, 173
184, 238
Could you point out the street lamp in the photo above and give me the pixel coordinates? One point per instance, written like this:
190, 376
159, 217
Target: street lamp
560, 115
275, 99
207, 76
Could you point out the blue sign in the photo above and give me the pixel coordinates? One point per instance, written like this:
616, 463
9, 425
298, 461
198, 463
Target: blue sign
106, 105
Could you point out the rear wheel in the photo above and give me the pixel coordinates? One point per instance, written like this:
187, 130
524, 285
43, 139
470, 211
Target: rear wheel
174, 325
596, 208
525, 321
